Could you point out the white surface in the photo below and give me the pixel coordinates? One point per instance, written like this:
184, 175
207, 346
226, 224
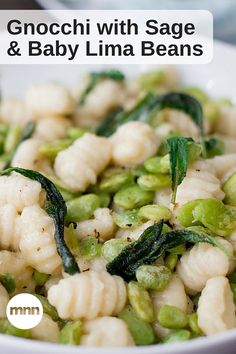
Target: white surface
219, 79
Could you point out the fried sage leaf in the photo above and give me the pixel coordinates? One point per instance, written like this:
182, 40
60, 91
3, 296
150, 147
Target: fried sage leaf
151, 104
56, 209
178, 153
151, 245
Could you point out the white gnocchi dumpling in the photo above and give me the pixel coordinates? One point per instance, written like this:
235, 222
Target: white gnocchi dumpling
225, 124
133, 143
51, 128
95, 333
88, 295
13, 111
37, 243
49, 99
202, 262
13, 263
216, 309
101, 227
200, 183
79, 165
9, 227
28, 156
224, 165
174, 295
105, 96
20, 191
47, 330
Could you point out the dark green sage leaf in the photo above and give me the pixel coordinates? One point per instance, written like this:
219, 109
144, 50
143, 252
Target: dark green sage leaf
140, 112
151, 104
56, 209
151, 245
178, 152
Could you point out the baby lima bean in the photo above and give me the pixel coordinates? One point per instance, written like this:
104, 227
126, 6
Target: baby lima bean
113, 182
172, 317
82, 208
230, 190
193, 324
133, 197
171, 261
89, 248
154, 212
8, 281
158, 165
180, 335
40, 278
112, 248
71, 333
211, 213
127, 219
7, 328
51, 150
141, 301
140, 330
153, 182
153, 277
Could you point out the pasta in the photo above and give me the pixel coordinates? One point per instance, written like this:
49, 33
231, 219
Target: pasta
13, 111
101, 227
80, 157
95, 333
20, 192
216, 301
224, 165
48, 99
225, 124
181, 122
89, 295
163, 196
28, 156
37, 243
106, 96
13, 263
174, 295
202, 262
46, 330
51, 128
200, 183
9, 227
133, 143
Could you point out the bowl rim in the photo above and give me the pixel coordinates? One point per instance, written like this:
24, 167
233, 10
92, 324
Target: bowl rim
11, 342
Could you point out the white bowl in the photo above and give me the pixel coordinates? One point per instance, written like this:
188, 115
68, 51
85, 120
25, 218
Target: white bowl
219, 80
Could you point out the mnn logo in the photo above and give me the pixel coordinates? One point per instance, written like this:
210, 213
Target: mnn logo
24, 311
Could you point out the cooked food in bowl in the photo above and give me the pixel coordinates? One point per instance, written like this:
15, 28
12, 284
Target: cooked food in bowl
117, 210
